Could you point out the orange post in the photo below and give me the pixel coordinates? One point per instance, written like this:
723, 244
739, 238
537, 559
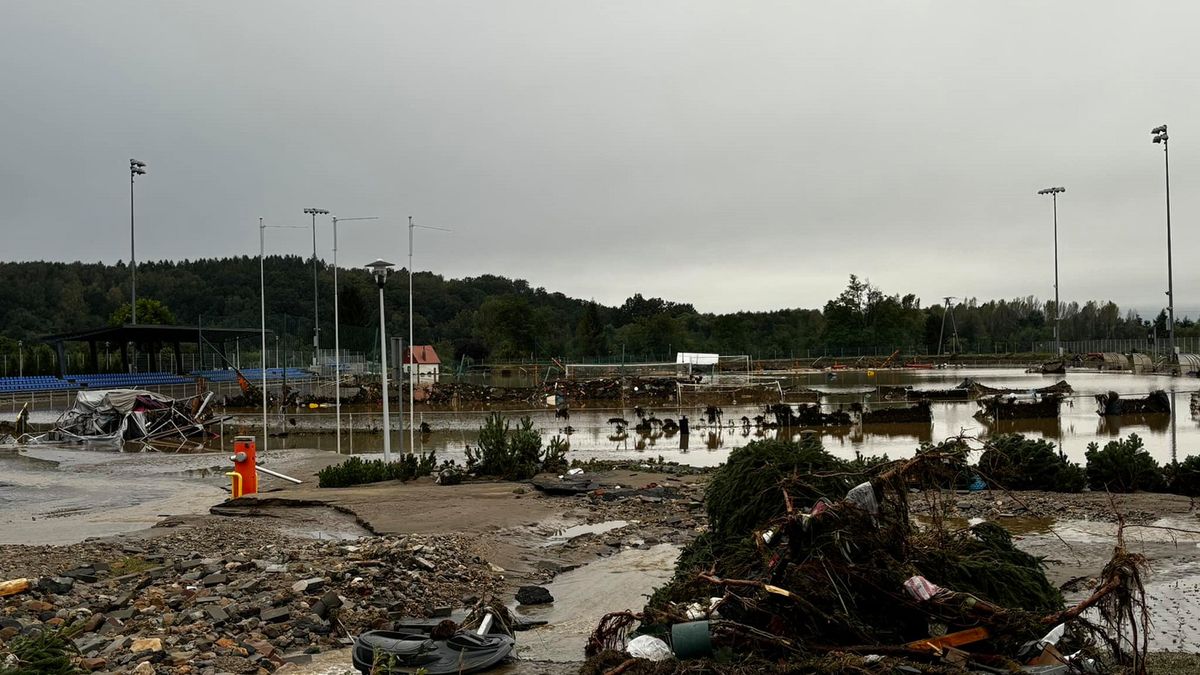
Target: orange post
244, 463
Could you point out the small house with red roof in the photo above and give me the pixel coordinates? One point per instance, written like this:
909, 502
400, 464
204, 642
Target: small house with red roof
422, 362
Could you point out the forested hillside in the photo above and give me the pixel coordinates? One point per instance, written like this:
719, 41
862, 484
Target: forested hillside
490, 317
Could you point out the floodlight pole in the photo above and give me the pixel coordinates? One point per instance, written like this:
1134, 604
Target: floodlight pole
1053, 192
316, 315
1159, 135
136, 168
412, 356
262, 294
337, 340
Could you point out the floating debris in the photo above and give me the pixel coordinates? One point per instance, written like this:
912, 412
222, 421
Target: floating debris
1112, 404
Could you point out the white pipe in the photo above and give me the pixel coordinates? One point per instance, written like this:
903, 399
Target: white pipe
278, 475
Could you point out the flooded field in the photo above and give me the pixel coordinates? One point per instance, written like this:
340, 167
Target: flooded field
592, 436
75, 484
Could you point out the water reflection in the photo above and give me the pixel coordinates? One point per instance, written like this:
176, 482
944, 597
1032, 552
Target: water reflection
918, 433
1120, 425
593, 433
1046, 428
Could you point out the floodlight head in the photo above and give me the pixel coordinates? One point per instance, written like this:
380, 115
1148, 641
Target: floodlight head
1161, 138
1161, 129
134, 162
380, 270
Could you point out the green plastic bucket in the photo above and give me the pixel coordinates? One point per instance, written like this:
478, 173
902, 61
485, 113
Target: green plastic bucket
691, 640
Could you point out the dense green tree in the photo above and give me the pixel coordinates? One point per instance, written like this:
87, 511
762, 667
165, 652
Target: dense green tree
150, 311
493, 317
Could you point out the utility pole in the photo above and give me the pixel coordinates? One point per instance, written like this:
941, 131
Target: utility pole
953, 326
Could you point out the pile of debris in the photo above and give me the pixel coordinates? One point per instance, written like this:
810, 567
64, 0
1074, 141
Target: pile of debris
1156, 403
653, 388
119, 415
806, 415
1012, 407
977, 389
917, 413
249, 602
601, 389
812, 564
448, 393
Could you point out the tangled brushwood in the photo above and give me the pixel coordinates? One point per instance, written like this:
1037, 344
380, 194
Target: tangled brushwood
812, 564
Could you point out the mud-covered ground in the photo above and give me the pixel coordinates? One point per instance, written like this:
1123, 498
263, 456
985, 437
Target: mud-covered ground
595, 553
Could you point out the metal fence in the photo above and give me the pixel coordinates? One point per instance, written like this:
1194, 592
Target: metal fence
1185, 345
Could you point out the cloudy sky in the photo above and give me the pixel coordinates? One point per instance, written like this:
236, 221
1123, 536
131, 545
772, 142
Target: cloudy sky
733, 155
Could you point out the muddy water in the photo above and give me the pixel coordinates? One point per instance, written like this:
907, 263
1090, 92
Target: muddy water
1076, 548
51, 495
582, 596
591, 436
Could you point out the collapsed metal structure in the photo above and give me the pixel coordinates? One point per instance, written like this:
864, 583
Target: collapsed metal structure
119, 415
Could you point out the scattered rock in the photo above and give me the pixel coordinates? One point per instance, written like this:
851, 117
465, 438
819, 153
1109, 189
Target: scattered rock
534, 595
308, 585
146, 645
274, 614
56, 585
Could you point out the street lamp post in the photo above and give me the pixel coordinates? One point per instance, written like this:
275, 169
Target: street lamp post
412, 440
1159, 135
337, 339
380, 270
1054, 192
316, 316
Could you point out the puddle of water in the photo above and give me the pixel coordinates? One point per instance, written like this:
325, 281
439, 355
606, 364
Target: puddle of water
1075, 548
565, 535
623, 580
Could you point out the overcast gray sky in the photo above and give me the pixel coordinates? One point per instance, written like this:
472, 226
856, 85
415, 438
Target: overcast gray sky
733, 155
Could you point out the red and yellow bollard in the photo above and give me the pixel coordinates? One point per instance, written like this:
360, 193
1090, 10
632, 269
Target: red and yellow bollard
245, 473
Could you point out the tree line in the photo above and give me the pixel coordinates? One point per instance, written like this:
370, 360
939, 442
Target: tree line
494, 318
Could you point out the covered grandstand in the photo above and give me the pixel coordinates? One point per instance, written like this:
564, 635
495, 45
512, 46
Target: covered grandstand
36, 383
145, 338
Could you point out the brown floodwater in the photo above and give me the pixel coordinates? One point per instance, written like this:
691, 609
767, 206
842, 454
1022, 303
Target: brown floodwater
592, 436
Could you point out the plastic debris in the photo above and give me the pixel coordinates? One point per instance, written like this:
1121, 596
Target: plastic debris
648, 647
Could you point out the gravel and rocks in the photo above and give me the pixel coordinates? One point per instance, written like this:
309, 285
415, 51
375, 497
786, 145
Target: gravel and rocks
232, 596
